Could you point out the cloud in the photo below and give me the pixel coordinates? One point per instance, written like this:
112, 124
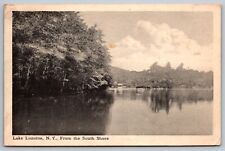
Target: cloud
161, 43
130, 43
127, 46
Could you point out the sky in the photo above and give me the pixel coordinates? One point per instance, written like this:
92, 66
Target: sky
138, 39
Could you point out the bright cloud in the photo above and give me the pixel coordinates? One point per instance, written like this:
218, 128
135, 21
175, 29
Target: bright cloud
159, 42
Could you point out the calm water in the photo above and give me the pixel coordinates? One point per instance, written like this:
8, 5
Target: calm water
117, 111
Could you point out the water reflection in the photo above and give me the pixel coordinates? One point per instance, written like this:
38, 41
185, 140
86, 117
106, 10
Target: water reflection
160, 100
163, 99
116, 111
161, 112
77, 114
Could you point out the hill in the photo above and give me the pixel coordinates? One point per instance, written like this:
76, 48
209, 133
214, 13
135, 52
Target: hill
158, 76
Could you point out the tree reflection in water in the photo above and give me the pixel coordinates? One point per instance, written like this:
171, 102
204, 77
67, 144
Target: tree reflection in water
160, 99
163, 99
94, 113
83, 114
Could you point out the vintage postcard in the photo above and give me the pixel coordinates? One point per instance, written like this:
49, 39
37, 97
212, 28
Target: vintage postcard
112, 75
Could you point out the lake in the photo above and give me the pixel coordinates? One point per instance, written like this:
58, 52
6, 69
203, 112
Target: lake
117, 111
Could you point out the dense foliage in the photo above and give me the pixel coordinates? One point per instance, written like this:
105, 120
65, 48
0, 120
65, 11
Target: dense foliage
159, 76
56, 52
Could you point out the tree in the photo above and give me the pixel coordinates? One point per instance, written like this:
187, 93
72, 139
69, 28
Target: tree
57, 52
180, 67
168, 66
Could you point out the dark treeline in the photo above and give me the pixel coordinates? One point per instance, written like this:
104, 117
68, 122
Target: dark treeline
56, 52
164, 76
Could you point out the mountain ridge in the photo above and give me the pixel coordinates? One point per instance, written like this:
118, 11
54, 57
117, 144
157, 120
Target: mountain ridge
179, 77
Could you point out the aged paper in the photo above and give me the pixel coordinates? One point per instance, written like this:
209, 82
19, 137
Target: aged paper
112, 75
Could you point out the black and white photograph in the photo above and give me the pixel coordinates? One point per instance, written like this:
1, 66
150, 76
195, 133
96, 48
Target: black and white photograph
95, 74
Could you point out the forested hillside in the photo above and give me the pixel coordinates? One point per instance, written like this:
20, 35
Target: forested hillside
56, 52
158, 75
